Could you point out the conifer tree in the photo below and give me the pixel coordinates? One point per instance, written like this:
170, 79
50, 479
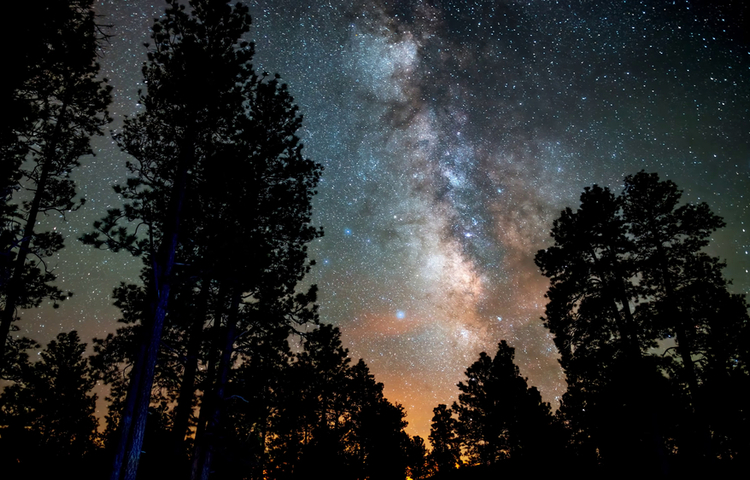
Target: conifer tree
219, 187
668, 239
499, 416
55, 102
49, 412
313, 414
446, 446
626, 272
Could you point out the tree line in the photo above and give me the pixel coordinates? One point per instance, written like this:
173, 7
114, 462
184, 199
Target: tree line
653, 345
221, 367
204, 376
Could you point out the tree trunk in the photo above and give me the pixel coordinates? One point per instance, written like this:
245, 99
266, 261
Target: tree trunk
626, 325
162, 264
701, 431
14, 286
126, 419
640, 409
187, 389
684, 346
211, 373
204, 454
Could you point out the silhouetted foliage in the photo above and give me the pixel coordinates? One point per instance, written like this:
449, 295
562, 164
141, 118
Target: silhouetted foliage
628, 276
419, 464
654, 345
221, 186
55, 103
115, 354
499, 416
48, 414
311, 414
446, 445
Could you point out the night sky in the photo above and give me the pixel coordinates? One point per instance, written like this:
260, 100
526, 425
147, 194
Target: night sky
452, 134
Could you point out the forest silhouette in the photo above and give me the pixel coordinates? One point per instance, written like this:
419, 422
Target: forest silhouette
221, 367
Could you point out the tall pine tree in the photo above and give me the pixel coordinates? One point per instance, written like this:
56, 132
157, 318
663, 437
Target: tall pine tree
55, 101
627, 274
220, 188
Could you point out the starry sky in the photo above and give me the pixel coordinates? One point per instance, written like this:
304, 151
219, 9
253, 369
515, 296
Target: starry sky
452, 134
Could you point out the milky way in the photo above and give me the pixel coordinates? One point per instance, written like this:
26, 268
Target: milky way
452, 134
